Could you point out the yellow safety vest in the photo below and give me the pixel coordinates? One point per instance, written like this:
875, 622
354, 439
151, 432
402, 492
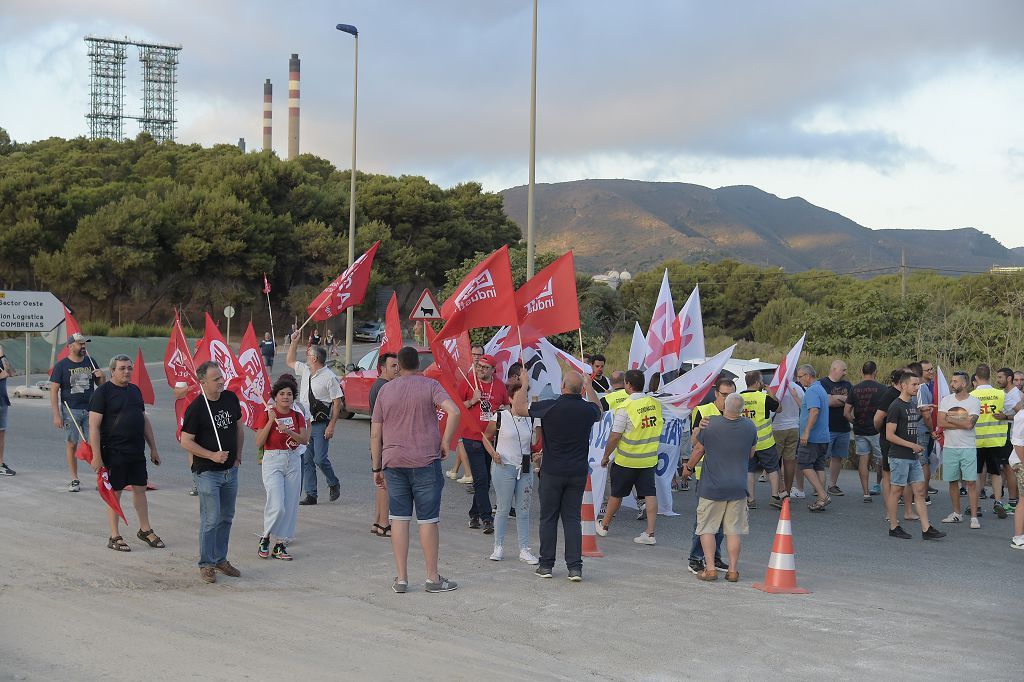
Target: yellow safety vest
708, 411
638, 449
754, 409
990, 432
616, 398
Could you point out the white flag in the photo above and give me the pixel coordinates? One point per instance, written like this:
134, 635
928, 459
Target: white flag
637, 349
684, 393
660, 341
784, 372
689, 330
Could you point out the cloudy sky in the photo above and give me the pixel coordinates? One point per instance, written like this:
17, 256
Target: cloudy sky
896, 114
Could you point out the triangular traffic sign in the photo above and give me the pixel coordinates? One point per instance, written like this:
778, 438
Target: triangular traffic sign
426, 308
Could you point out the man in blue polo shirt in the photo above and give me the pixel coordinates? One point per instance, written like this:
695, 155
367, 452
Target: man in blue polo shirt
812, 452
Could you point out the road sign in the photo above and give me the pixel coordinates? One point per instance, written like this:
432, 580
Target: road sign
29, 311
229, 312
426, 308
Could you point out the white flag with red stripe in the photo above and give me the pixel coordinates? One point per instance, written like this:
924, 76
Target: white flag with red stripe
784, 372
688, 330
660, 340
637, 349
684, 393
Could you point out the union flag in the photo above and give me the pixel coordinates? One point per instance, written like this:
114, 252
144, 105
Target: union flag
548, 304
347, 290
484, 298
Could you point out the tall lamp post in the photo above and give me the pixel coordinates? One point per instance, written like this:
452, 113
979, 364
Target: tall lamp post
354, 32
530, 212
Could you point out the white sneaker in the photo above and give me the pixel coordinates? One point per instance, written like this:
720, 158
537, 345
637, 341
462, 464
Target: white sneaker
465, 479
1017, 542
798, 494
74, 486
645, 539
953, 518
527, 556
451, 474
601, 530
975, 523
498, 554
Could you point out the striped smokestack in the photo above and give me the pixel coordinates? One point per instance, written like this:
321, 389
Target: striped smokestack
268, 116
293, 106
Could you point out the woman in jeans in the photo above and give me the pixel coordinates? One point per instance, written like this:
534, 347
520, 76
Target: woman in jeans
511, 475
280, 431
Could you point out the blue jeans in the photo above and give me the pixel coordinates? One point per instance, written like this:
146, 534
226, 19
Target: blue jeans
217, 492
697, 551
506, 488
479, 462
316, 456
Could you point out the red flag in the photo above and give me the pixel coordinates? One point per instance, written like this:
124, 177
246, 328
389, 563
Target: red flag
347, 290
392, 341
84, 451
140, 377
548, 304
180, 368
213, 347
255, 387
484, 298
448, 377
71, 327
266, 284
107, 493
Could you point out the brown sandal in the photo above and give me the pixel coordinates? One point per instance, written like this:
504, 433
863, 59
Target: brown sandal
156, 542
118, 544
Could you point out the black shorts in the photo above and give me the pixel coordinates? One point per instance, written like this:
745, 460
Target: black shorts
767, 459
128, 473
624, 479
812, 456
994, 459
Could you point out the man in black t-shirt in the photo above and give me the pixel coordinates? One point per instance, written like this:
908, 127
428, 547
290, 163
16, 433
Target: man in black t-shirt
565, 424
118, 433
212, 432
902, 422
268, 349
868, 449
840, 414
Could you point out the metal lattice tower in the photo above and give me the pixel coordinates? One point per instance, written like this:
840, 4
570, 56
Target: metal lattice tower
106, 88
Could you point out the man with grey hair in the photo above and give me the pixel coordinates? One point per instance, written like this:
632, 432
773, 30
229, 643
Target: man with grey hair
119, 431
813, 449
320, 391
726, 444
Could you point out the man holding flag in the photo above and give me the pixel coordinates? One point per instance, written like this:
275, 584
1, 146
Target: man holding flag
72, 381
320, 390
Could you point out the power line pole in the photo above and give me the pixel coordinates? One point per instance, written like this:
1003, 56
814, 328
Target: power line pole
903, 274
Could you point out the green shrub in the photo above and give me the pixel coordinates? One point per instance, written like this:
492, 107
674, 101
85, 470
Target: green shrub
96, 328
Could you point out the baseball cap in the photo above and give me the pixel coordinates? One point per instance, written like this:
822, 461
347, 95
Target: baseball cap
77, 338
487, 360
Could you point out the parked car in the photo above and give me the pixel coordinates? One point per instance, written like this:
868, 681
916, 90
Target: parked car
40, 389
356, 383
369, 331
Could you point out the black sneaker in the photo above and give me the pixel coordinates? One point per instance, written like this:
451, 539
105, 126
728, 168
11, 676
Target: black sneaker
928, 500
512, 512
6, 470
999, 509
982, 495
898, 532
308, 499
335, 492
264, 550
488, 527
695, 566
543, 572
932, 534
575, 575
932, 491
963, 492
721, 565
474, 522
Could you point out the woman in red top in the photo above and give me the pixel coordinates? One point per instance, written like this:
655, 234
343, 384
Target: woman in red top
280, 430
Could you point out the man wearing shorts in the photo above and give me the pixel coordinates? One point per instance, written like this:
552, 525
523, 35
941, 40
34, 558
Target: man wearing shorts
1012, 404
991, 434
406, 450
812, 452
1016, 465
958, 413
840, 414
758, 404
869, 451
901, 424
726, 444
786, 428
119, 431
72, 381
636, 434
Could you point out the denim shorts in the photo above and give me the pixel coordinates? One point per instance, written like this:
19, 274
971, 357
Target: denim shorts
868, 445
905, 471
70, 432
839, 444
3, 417
418, 487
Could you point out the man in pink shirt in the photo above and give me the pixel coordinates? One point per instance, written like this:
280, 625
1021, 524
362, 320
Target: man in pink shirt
406, 449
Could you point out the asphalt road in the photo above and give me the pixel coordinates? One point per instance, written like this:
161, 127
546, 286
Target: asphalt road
878, 606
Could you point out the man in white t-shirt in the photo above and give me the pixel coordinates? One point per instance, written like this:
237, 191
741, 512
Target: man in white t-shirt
958, 413
786, 429
1016, 459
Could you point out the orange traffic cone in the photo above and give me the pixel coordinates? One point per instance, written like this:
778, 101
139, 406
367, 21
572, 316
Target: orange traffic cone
589, 523
780, 578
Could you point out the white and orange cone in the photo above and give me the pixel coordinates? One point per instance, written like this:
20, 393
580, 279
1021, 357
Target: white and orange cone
589, 523
780, 577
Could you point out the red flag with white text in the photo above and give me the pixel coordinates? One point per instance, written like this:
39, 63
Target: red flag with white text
548, 304
254, 388
484, 298
347, 290
179, 368
140, 377
107, 492
392, 340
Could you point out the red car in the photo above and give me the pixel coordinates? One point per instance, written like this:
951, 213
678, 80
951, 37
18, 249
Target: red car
356, 384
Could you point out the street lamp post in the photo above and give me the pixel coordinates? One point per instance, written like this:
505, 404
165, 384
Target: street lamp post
354, 32
533, 153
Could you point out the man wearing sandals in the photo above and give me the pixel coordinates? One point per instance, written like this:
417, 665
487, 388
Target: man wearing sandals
118, 433
813, 450
212, 432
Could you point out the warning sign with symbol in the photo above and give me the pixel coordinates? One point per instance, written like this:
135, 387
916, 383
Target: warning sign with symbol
426, 308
